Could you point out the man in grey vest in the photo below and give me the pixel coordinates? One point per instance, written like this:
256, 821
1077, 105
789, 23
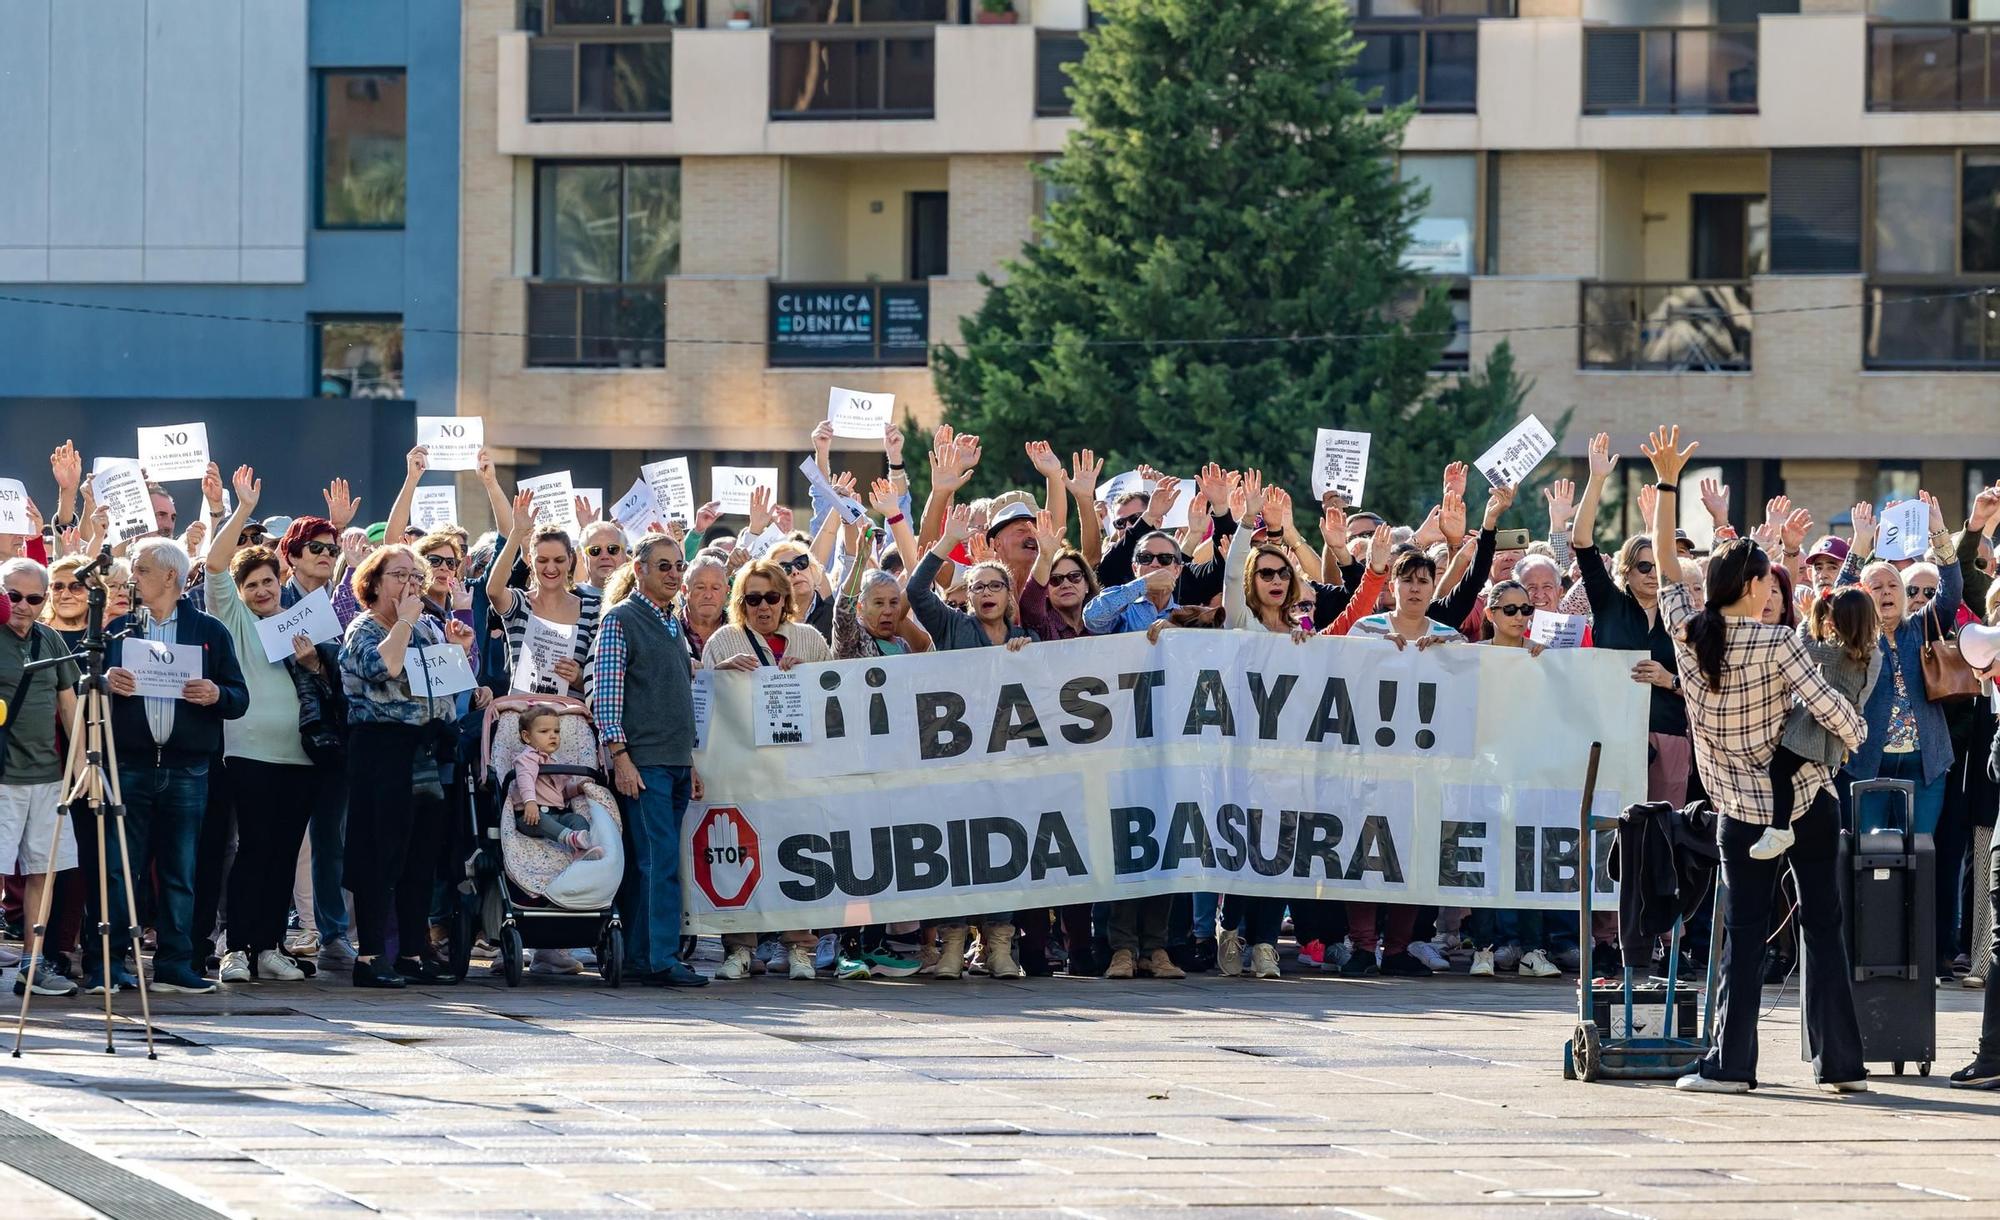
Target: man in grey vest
643, 699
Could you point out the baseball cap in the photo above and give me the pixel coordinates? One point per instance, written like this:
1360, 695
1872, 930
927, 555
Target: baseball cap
378, 531
1681, 539
1007, 516
1832, 546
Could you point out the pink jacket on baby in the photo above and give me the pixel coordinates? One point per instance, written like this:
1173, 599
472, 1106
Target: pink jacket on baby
530, 787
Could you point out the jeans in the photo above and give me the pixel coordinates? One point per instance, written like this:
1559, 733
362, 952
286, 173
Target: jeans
650, 899
1832, 1031
163, 815
328, 834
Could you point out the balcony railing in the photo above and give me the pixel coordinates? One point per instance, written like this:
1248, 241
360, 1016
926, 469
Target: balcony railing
603, 80
1670, 70
1932, 326
1435, 66
618, 326
587, 17
1666, 328
853, 73
1952, 66
1053, 50
850, 324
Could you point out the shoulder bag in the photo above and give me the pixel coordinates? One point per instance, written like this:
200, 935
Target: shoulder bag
1947, 676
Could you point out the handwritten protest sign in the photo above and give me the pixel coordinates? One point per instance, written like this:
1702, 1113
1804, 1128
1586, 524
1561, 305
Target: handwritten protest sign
312, 617
14, 508
859, 415
673, 491
454, 441
1515, 456
433, 507
174, 453
542, 645
161, 670
555, 500
1340, 464
120, 487
1557, 630
732, 486
1904, 532
441, 669
634, 510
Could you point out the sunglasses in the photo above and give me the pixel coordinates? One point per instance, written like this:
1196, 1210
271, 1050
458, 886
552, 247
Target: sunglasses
763, 599
1274, 573
68, 586
1163, 560
1514, 611
447, 562
594, 550
1920, 590
988, 586
33, 599
1122, 524
328, 549
671, 565
797, 563
1066, 578
1645, 567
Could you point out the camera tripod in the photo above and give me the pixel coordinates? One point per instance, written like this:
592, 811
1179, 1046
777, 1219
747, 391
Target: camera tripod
90, 786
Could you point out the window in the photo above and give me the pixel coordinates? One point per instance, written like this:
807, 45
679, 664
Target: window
1937, 213
608, 222
826, 12
1815, 210
605, 14
359, 357
361, 150
1896, 481
1441, 242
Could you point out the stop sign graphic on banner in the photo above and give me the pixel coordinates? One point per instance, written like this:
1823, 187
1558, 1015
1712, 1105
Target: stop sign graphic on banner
727, 861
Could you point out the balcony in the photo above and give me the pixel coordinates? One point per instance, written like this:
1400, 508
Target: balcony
1666, 328
862, 325
1053, 50
1435, 66
627, 79
1670, 70
1935, 326
615, 326
858, 72
1947, 66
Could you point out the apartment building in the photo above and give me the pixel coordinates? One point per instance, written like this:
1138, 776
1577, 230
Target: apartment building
244, 214
683, 222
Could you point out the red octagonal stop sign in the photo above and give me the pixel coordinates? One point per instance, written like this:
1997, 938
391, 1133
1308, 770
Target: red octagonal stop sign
727, 858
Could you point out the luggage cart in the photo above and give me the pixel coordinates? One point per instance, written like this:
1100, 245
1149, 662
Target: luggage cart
1593, 1055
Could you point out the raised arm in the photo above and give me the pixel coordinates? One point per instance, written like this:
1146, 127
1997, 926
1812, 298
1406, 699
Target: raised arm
1084, 467
222, 547
520, 521
952, 464
888, 501
496, 499
415, 463
1281, 528
1663, 449
1454, 610
1583, 530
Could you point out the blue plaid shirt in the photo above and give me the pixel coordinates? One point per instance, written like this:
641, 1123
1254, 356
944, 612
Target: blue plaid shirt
609, 655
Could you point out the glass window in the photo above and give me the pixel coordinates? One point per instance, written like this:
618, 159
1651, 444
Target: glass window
1979, 204
1896, 481
360, 358
1914, 194
361, 139
608, 222
1441, 241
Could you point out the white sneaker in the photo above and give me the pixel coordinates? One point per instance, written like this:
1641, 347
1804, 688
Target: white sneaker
1843, 1086
1536, 964
301, 942
1229, 952
735, 965
1264, 961
1695, 1082
1482, 963
9, 956
1425, 952
555, 961
1772, 844
235, 967
800, 960
827, 952
272, 964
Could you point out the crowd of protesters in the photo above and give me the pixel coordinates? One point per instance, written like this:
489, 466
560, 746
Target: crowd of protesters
287, 818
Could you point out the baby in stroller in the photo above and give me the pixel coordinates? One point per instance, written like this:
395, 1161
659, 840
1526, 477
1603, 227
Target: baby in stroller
541, 803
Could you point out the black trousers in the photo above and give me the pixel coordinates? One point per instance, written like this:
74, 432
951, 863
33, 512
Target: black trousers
1832, 1032
392, 838
1989, 1024
273, 804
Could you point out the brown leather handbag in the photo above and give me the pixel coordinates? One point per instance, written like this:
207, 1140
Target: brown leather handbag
1947, 675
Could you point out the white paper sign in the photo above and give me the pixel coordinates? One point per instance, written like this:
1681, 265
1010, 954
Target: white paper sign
439, 670
120, 486
1119, 486
778, 707
634, 511
174, 453
542, 645
555, 500
1557, 630
14, 508
1176, 516
454, 441
593, 502
1515, 456
859, 415
704, 694
1904, 530
1340, 463
733, 484
673, 492
433, 507
163, 669
850, 510
1439, 246
313, 616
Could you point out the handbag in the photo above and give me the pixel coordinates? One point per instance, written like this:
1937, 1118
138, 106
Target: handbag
13, 707
1947, 675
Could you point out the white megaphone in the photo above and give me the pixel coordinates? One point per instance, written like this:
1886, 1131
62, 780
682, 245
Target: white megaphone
1979, 645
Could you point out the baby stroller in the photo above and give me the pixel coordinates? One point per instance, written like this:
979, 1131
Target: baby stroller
528, 892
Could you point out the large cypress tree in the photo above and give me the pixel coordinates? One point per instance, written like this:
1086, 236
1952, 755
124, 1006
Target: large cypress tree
1228, 202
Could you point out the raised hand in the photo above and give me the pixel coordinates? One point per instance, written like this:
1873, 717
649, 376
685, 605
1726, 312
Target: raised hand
1663, 450
1197, 507
1560, 497
524, 516
1277, 510
949, 469
822, 438
1213, 484
1649, 500
1797, 524
1333, 525
1048, 535
892, 445
781, 516
1715, 498
1454, 477
584, 513
249, 488
1432, 530
1498, 501
485, 464
66, 464
843, 484
1253, 495
1451, 518
1380, 543
1163, 499
1776, 508
416, 462
340, 507
1863, 515
761, 499
1985, 509
707, 515
211, 488
957, 525
1602, 460
1043, 458
1084, 467
883, 498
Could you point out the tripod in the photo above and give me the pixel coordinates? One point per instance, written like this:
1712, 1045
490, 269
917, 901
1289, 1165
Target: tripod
90, 785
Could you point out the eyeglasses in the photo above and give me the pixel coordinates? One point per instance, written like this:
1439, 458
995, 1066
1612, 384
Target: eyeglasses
1514, 611
328, 549
671, 565
1274, 573
1920, 590
67, 586
614, 548
1125, 523
33, 599
249, 536
1066, 578
987, 586
1163, 559
763, 599
798, 563
400, 574
447, 562
1644, 567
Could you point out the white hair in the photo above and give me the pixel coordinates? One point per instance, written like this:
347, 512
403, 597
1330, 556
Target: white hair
164, 551
1923, 569
23, 566
1530, 562
583, 537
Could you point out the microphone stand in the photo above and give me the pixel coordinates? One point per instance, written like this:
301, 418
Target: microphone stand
90, 786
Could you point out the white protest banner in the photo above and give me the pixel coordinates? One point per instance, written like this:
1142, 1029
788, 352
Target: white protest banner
778, 705
1557, 630
1515, 456
1904, 531
703, 683
850, 510
434, 506
542, 645
441, 669
120, 487
673, 491
1085, 771
593, 503
161, 670
859, 415
732, 486
14, 508
175, 453
634, 511
555, 500
1340, 463
312, 616
454, 441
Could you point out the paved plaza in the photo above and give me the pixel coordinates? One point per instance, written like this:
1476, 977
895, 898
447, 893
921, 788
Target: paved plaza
1401, 1099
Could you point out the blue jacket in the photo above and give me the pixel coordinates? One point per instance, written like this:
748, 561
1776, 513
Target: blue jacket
1933, 734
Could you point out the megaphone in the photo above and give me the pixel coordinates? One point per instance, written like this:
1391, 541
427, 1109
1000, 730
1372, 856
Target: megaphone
1979, 644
